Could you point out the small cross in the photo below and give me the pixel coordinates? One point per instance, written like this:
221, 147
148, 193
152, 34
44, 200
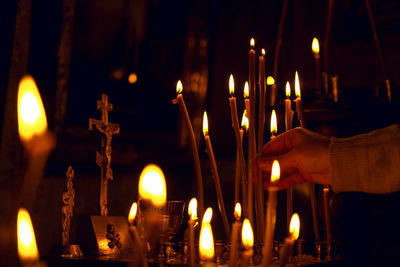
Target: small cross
105, 107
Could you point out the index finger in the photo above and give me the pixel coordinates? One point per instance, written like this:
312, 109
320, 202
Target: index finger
280, 144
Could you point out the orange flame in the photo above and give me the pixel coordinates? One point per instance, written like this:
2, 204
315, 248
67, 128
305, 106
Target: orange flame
205, 124
238, 211
270, 80
315, 46
252, 43
294, 228
31, 115
152, 185
179, 87
274, 126
247, 234
245, 121
132, 213
297, 85
206, 242
276, 172
287, 90
27, 248
263, 52
132, 78
192, 209
246, 90
231, 85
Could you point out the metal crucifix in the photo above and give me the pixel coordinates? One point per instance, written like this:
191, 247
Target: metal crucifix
103, 159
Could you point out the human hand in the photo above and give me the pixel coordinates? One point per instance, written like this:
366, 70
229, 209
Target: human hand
303, 156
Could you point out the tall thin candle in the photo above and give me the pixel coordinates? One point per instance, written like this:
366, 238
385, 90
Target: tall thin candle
315, 50
245, 127
248, 242
135, 236
271, 215
239, 143
294, 231
215, 176
179, 100
233, 253
299, 109
192, 211
288, 123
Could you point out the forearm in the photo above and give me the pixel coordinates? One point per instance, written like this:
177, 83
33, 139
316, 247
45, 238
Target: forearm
366, 163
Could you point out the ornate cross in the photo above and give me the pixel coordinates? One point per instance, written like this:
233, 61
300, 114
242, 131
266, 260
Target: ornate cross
103, 158
67, 209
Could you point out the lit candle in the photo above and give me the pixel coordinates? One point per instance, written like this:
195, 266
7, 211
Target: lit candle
206, 241
248, 242
179, 100
272, 90
135, 236
252, 125
326, 213
271, 215
239, 144
274, 125
36, 139
288, 108
215, 175
315, 50
233, 253
260, 141
294, 232
27, 249
243, 129
311, 189
192, 211
288, 122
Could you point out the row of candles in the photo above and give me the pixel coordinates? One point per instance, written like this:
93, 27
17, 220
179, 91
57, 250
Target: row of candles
152, 188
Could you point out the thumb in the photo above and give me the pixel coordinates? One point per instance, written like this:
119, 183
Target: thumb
286, 161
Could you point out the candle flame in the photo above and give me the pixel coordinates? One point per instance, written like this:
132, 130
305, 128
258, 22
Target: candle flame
297, 85
238, 211
179, 87
152, 185
132, 213
274, 127
205, 124
270, 80
132, 78
246, 90
287, 90
276, 172
231, 85
192, 209
263, 52
315, 46
245, 121
27, 248
247, 234
252, 43
207, 215
294, 228
206, 242
31, 115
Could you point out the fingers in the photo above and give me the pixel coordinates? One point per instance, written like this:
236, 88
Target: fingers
286, 161
289, 180
282, 143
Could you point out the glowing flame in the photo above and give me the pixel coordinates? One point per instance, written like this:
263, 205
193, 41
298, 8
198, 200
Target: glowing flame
238, 211
132, 78
297, 85
276, 172
274, 127
231, 85
294, 228
247, 234
152, 185
263, 52
192, 209
246, 90
270, 80
31, 115
205, 124
287, 90
132, 213
207, 215
252, 42
315, 46
179, 87
27, 248
206, 242
245, 121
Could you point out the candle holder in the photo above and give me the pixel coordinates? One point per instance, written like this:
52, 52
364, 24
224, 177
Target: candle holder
319, 250
71, 252
222, 252
300, 246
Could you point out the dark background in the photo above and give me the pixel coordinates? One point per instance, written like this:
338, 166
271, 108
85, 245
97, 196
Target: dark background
201, 43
